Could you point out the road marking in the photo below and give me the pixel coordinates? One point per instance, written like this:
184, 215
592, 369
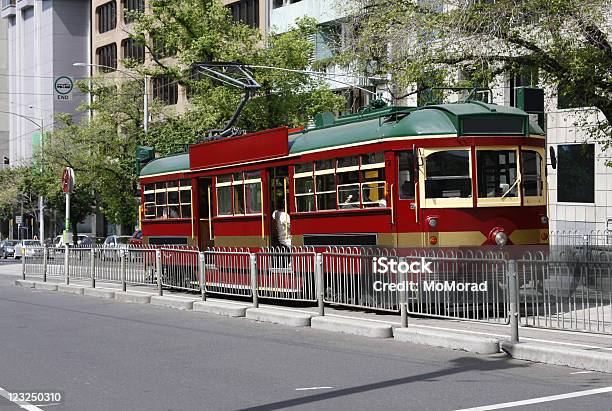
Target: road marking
23, 404
540, 400
581, 372
313, 388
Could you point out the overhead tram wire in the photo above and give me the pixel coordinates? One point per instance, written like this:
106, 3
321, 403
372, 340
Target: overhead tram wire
316, 74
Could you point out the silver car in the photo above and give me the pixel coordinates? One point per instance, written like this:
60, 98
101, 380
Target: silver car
7, 248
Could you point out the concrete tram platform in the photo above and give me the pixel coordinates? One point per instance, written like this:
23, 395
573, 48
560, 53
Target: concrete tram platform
574, 349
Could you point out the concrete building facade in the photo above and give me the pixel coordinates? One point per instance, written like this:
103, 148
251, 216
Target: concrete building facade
45, 38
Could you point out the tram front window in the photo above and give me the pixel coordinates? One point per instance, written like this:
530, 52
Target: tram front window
448, 174
532, 174
496, 173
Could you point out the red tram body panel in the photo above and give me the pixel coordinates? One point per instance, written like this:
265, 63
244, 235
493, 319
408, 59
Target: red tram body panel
465, 174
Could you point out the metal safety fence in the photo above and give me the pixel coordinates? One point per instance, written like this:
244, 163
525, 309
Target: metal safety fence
561, 287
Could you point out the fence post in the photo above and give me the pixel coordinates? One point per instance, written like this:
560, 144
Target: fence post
123, 267
402, 296
158, 271
513, 294
202, 269
45, 262
319, 278
66, 264
92, 267
23, 263
254, 287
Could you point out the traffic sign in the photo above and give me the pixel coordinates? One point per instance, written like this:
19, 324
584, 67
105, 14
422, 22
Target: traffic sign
63, 86
18, 219
68, 180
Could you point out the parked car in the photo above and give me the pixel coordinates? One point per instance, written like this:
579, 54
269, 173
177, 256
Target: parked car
7, 248
112, 244
58, 242
22, 247
136, 238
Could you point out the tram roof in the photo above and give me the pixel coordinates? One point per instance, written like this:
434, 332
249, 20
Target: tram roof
440, 119
471, 118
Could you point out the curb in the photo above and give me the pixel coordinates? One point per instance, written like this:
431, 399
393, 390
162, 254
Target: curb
171, 302
569, 357
445, 339
24, 283
45, 286
278, 317
99, 293
355, 327
228, 310
130, 297
70, 289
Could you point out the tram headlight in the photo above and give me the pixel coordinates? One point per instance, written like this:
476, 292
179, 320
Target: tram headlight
432, 221
501, 238
544, 220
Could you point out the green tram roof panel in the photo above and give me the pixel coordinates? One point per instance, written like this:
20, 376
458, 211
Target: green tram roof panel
163, 165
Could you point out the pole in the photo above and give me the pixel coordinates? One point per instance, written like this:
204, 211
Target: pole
67, 227
253, 264
123, 269
158, 271
45, 262
146, 104
320, 283
402, 297
66, 264
513, 293
202, 267
41, 200
92, 267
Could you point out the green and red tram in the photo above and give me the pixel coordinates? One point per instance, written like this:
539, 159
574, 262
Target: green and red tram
463, 174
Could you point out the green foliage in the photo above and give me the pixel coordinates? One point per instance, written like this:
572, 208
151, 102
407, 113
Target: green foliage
563, 40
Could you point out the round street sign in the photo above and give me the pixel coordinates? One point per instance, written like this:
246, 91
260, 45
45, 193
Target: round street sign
68, 180
63, 85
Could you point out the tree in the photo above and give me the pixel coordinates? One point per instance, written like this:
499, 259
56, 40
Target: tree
566, 41
181, 33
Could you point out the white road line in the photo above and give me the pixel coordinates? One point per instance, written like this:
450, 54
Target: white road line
582, 372
313, 388
23, 404
541, 399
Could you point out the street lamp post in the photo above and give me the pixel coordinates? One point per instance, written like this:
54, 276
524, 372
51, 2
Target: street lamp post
142, 80
41, 200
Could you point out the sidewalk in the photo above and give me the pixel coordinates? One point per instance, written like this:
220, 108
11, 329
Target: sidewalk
597, 344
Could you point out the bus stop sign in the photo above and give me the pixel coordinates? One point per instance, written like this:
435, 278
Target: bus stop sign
68, 180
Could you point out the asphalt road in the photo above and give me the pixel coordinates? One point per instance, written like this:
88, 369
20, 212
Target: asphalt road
105, 355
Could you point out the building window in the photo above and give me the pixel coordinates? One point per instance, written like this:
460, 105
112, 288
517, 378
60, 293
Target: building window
132, 5
107, 16
571, 96
447, 174
340, 184
165, 89
576, 173
133, 50
107, 57
239, 193
245, 11
160, 49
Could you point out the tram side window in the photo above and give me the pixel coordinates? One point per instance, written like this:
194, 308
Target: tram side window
348, 182
149, 201
448, 174
532, 174
304, 194
405, 161
372, 176
496, 173
325, 186
169, 199
239, 193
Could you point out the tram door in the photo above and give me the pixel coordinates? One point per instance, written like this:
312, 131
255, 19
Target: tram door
207, 236
407, 211
279, 197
